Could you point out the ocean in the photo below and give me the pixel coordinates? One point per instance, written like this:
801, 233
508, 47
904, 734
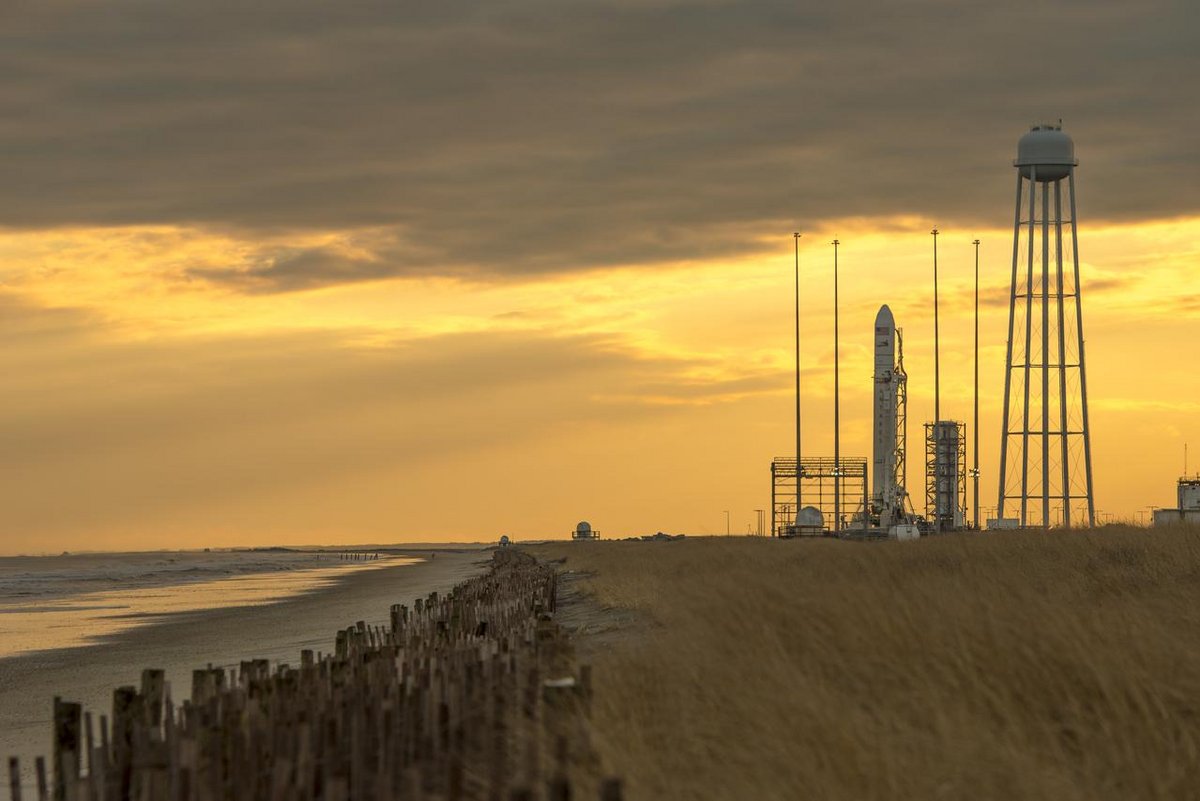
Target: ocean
51, 602
79, 626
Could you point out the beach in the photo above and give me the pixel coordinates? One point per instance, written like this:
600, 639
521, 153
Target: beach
181, 641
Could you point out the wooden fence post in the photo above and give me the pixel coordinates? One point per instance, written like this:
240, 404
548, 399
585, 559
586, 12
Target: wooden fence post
66, 749
14, 778
40, 765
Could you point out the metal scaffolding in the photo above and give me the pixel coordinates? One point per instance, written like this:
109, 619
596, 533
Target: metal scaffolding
946, 475
901, 378
817, 488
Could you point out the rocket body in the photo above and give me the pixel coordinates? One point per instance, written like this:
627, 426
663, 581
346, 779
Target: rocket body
883, 467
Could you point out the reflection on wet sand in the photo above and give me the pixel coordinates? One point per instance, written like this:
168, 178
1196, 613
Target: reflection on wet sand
88, 617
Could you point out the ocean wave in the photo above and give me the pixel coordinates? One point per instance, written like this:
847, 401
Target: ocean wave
25, 579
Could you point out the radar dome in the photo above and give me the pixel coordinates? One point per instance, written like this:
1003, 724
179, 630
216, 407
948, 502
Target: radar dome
583, 526
1046, 150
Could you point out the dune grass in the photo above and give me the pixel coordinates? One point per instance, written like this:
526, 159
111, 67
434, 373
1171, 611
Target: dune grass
1001, 666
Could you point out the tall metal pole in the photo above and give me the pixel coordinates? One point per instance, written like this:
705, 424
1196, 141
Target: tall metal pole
1087, 429
975, 471
796, 239
937, 367
1045, 356
837, 429
1062, 359
774, 531
1008, 362
1028, 357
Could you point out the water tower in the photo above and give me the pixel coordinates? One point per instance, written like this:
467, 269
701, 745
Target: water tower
1045, 447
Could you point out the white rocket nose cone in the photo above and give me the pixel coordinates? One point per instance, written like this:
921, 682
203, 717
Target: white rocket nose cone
884, 318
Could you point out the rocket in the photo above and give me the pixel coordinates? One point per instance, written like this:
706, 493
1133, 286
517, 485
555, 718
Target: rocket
883, 464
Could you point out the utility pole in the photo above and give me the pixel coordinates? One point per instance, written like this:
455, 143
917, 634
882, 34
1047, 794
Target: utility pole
837, 430
726, 522
975, 470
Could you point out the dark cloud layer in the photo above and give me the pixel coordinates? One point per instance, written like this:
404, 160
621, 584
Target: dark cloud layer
528, 136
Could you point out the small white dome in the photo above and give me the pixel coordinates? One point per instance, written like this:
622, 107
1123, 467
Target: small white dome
1047, 151
810, 516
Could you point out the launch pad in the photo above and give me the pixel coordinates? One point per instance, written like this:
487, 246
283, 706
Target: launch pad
1045, 450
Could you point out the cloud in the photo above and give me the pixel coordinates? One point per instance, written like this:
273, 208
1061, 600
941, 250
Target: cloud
523, 137
297, 268
103, 435
998, 296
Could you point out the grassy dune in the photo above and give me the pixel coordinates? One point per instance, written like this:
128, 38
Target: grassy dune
1007, 666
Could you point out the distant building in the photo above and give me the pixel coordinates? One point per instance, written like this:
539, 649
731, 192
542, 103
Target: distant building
584, 531
504, 541
1188, 511
661, 537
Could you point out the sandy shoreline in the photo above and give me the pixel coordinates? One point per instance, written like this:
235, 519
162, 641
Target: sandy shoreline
182, 643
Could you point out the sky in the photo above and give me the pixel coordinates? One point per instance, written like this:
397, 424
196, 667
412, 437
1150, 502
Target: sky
311, 272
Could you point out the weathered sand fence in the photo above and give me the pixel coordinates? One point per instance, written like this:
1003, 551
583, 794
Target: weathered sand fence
474, 695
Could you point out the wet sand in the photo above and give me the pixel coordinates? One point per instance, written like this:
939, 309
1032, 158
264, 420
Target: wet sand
183, 642
87, 618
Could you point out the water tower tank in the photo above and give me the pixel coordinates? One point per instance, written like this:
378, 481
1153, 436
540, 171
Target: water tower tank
1047, 149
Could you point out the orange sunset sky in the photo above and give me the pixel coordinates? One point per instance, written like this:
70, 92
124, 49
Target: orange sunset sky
313, 274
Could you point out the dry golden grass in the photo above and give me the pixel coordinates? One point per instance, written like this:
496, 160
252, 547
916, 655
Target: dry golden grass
1006, 666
